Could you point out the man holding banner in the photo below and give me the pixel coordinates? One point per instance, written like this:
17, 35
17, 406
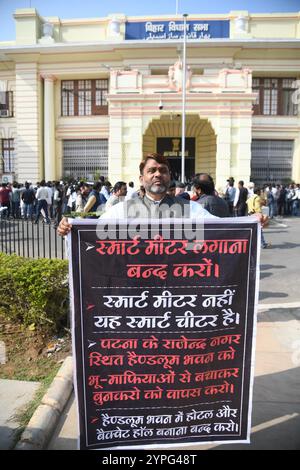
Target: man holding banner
163, 321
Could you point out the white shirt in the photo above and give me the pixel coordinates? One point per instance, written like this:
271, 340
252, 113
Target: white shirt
50, 194
236, 197
131, 193
42, 193
196, 211
105, 193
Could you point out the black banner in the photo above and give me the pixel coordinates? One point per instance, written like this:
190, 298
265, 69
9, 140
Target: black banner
163, 332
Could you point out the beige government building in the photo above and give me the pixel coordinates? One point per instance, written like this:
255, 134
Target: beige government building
79, 98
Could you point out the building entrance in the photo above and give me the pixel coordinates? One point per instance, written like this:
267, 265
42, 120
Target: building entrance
163, 135
170, 147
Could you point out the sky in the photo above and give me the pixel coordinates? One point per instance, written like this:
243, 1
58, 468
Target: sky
100, 8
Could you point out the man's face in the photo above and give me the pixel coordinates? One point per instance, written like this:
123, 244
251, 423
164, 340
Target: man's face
171, 191
179, 191
155, 178
84, 190
122, 191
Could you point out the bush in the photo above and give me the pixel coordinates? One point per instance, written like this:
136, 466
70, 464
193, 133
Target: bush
34, 291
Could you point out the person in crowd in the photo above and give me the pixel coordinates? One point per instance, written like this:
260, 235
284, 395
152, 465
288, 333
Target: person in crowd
295, 200
254, 204
172, 188
5, 192
250, 188
41, 196
118, 194
96, 200
270, 202
50, 190
205, 191
275, 193
281, 200
240, 200
82, 197
131, 192
289, 197
71, 195
141, 192
28, 197
57, 202
15, 200
230, 195
180, 191
106, 190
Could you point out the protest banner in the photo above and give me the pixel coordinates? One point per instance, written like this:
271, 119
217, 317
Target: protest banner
163, 332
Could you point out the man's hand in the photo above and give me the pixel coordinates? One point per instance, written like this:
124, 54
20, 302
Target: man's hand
64, 227
259, 217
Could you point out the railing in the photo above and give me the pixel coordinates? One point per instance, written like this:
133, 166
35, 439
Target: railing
31, 240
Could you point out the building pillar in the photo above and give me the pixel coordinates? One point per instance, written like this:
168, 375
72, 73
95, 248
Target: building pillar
115, 155
244, 149
49, 128
223, 153
296, 161
28, 145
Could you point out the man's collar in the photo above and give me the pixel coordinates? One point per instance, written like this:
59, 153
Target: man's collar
154, 200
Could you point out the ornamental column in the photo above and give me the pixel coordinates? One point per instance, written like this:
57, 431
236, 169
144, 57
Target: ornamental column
49, 128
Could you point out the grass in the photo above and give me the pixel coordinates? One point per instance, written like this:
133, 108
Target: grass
28, 360
23, 416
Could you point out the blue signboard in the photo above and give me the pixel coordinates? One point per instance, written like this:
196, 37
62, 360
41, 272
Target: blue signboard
151, 30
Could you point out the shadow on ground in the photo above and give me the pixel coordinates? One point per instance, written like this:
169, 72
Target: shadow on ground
266, 295
286, 246
276, 413
279, 315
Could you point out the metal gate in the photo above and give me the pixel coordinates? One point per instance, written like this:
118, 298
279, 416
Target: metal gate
271, 161
82, 159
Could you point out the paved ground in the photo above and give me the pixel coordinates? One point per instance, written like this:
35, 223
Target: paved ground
280, 264
276, 400
14, 395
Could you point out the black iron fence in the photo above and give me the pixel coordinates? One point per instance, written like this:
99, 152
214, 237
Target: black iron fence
30, 240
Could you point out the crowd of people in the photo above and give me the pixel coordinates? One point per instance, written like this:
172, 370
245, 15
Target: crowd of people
53, 199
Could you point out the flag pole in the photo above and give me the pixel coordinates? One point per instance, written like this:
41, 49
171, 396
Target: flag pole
183, 100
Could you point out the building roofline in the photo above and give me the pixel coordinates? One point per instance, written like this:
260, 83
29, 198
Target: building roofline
137, 44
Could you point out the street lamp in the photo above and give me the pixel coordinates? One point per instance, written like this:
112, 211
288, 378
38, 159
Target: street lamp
185, 15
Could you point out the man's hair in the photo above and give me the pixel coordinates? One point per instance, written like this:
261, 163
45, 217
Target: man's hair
154, 156
118, 186
206, 175
180, 185
257, 191
241, 183
97, 186
131, 184
207, 187
83, 183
